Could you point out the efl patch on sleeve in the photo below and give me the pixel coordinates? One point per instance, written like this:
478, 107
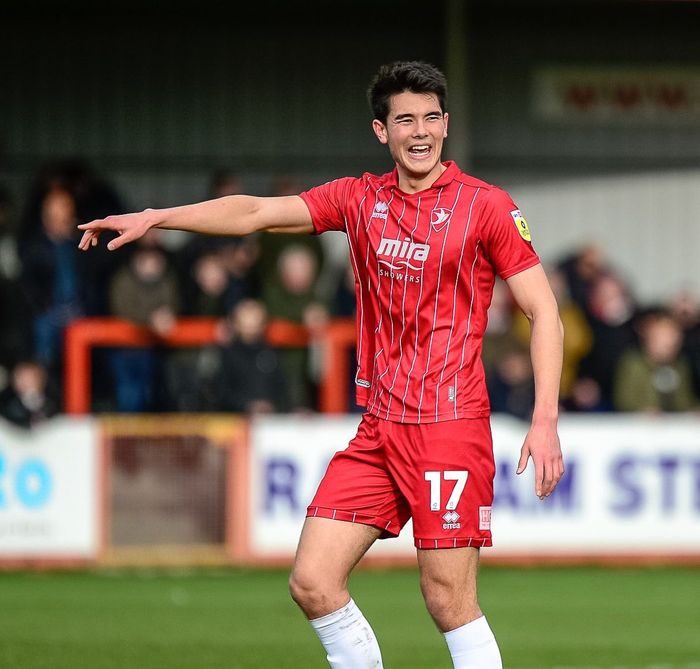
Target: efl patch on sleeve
521, 224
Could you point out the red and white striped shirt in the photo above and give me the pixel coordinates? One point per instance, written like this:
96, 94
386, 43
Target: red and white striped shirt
425, 265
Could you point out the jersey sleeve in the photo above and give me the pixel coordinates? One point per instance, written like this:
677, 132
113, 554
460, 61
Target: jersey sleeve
327, 204
506, 236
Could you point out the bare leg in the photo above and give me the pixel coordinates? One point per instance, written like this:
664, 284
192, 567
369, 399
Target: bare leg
327, 553
448, 582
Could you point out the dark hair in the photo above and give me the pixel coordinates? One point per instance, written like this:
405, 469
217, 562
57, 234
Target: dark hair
400, 76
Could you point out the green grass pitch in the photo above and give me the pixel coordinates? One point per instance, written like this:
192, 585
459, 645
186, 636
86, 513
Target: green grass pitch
563, 618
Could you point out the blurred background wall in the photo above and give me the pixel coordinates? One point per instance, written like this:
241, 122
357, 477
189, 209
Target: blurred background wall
157, 98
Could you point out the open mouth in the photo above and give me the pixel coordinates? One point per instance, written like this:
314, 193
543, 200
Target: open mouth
419, 150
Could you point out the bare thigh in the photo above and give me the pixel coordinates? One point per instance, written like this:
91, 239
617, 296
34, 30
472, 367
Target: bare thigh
327, 553
448, 578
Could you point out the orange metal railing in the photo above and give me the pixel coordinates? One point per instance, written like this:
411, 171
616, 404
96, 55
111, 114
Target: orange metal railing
84, 334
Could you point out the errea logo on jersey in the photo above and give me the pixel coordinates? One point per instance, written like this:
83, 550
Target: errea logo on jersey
381, 210
402, 253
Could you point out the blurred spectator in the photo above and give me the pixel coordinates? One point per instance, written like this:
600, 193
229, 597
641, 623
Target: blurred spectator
9, 257
239, 256
223, 182
499, 336
210, 287
93, 198
241, 374
578, 336
51, 276
292, 296
511, 385
685, 308
585, 397
344, 301
656, 376
343, 304
252, 380
146, 293
272, 245
29, 399
612, 310
509, 376
15, 314
208, 298
294, 286
581, 270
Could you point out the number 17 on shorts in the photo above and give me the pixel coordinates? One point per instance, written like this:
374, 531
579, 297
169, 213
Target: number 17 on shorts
455, 511
436, 478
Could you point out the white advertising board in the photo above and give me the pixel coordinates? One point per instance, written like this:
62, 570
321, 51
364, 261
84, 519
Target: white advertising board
632, 486
48, 490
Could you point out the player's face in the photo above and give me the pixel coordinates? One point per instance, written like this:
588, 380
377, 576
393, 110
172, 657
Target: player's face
414, 131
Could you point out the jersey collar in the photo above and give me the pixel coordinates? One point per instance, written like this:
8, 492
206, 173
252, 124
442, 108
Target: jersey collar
445, 178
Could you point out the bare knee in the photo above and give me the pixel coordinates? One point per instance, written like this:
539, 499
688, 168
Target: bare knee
450, 604
316, 596
327, 553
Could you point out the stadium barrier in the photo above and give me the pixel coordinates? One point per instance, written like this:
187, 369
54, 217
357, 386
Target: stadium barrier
630, 494
52, 482
224, 490
82, 335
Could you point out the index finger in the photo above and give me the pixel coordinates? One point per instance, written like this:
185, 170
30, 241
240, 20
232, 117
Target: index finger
96, 224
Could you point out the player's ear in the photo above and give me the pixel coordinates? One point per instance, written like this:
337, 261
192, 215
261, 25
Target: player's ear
380, 131
445, 118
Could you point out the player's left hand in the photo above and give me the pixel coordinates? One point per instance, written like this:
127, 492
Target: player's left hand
542, 445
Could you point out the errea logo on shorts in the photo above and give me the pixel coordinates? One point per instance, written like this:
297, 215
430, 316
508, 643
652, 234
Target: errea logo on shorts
451, 518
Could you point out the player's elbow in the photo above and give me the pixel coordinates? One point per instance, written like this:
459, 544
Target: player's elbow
250, 218
545, 312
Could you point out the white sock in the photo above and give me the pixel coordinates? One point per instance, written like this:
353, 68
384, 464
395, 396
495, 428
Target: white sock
348, 639
473, 646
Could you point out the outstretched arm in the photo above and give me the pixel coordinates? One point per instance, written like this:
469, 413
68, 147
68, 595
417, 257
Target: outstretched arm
231, 215
534, 296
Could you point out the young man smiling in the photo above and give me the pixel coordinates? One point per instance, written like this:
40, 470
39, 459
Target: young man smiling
426, 243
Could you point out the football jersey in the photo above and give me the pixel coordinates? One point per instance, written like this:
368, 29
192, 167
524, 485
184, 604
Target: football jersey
424, 264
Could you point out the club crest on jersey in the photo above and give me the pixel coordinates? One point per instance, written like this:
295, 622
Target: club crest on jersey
402, 253
521, 224
381, 210
439, 218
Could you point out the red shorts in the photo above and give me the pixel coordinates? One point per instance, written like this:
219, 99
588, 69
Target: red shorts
439, 474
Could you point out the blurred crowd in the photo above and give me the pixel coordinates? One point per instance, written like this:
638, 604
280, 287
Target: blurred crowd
620, 355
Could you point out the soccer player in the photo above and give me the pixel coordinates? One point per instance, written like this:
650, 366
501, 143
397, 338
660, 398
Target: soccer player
426, 242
